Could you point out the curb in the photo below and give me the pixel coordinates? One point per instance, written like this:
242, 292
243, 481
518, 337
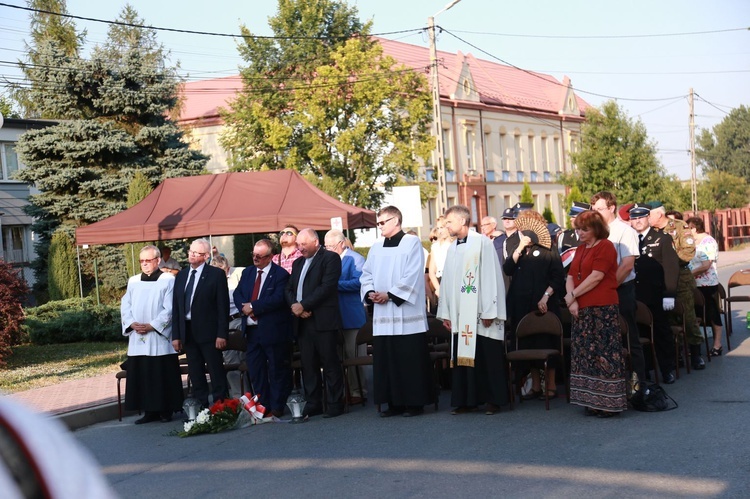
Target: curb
81, 418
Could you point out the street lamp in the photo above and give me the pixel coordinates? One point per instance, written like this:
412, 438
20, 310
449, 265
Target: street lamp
437, 114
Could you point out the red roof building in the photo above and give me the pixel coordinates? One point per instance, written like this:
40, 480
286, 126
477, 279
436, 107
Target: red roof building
501, 126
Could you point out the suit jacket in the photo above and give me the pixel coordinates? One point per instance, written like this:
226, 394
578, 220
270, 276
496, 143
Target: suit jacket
210, 309
319, 290
270, 309
657, 269
350, 304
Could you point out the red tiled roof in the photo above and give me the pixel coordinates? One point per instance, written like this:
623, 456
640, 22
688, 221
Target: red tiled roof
497, 84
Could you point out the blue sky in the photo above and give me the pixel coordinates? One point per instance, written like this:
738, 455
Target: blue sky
650, 76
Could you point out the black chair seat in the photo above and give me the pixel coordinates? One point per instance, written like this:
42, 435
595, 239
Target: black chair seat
540, 354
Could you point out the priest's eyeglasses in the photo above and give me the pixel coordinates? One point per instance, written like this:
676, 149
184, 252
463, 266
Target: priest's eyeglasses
149, 259
383, 222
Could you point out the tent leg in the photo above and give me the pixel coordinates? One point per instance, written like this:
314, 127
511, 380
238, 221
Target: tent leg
80, 280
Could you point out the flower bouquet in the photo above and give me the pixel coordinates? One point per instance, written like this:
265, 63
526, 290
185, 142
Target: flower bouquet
223, 415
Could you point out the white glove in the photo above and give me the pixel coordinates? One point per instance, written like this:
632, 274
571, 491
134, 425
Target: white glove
667, 304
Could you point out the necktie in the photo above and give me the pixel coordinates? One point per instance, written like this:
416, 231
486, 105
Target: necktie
256, 288
189, 291
640, 240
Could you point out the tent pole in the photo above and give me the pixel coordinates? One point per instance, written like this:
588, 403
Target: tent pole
80, 281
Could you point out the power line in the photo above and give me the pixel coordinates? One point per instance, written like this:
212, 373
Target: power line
554, 81
712, 105
600, 37
194, 32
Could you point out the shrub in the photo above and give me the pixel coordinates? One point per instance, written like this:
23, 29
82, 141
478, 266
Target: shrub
72, 320
62, 271
13, 291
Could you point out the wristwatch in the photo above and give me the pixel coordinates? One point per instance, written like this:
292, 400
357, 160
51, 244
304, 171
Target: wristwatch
547, 293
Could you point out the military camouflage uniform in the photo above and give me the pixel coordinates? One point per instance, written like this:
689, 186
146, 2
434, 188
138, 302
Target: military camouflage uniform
684, 245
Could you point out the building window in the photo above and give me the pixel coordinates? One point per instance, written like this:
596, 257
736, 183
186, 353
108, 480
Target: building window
534, 177
548, 201
506, 201
532, 159
429, 175
517, 151
503, 155
492, 205
474, 210
9, 160
506, 176
487, 152
547, 176
447, 148
556, 153
519, 176
490, 175
13, 244
545, 161
470, 140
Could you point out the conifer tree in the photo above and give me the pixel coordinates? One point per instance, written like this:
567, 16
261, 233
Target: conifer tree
63, 271
116, 107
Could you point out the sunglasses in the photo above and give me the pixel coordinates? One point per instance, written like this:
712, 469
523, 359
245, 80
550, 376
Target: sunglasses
287, 233
383, 222
260, 257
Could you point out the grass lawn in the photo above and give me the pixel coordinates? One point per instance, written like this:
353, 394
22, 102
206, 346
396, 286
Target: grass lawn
34, 366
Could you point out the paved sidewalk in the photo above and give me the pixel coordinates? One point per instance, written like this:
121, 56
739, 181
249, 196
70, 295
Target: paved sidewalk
75, 397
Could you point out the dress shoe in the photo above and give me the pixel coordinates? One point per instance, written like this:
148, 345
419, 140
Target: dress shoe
669, 378
490, 409
312, 412
355, 400
696, 361
277, 413
463, 409
165, 417
392, 411
413, 411
149, 417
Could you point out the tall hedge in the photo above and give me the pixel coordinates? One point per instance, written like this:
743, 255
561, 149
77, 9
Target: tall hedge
62, 272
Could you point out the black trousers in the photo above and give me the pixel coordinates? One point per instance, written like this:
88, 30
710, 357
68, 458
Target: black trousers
626, 294
663, 339
320, 349
201, 356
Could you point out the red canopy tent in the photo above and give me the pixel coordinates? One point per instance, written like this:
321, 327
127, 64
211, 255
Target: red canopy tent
225, 204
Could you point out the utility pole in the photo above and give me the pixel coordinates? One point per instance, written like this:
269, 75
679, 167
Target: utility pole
693, 180
437, 124
437, 115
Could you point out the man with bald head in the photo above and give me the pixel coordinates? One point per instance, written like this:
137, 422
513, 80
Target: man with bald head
312, 294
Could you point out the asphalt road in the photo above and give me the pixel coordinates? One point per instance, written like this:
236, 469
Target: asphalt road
701, 449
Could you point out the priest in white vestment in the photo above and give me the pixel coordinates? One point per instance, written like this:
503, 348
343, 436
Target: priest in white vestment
472, 307
154, 383
393, 283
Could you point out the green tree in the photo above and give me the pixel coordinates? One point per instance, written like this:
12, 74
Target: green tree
548, 215
616, 155
322, 99
115, 108
139, 188
62, 272
52, 37
727, 148
721, 190
362, 130
526, 195
7, 107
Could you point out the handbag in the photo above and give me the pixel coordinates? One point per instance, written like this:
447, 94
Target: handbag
652, 398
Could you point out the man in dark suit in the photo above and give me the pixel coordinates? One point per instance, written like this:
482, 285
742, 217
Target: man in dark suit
312, 293
656, 274
267, 325
200, 321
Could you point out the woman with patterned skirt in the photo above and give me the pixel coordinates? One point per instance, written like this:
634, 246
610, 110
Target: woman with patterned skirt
597, 372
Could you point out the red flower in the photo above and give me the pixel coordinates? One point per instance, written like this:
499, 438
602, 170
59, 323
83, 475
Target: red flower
217, 407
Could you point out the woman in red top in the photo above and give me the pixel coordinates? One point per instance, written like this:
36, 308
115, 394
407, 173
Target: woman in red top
597, 373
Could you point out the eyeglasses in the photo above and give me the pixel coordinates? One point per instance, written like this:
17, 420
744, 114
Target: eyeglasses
260, 257
149, 259
287, 233
383, 222
196, 253
329, 247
